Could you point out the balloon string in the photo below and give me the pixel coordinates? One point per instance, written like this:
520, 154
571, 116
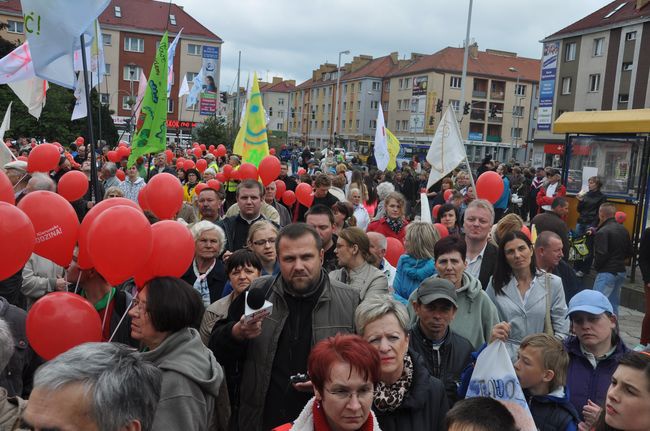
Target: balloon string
76, 288
122, 319
21, 178
108, 303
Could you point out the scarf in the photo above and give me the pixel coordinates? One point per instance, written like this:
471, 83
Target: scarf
395, 225
320, 421
201, 282
389, 397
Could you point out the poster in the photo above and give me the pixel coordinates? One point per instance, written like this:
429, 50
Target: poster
587, 172
209, 95
547, 85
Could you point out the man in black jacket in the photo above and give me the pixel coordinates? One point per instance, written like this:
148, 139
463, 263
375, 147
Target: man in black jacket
553, 221
612, 247
445, 353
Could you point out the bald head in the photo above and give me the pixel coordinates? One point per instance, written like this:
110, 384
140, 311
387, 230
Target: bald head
378, 244
40, 181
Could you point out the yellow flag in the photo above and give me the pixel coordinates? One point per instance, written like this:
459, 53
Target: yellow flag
533, 234
252, 141
393, 149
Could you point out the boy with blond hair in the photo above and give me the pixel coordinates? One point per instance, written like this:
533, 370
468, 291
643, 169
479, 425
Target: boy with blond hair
541, 367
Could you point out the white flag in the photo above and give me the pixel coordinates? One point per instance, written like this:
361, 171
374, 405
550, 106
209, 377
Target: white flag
6, 123
17, 65
170, 62
381, 147
32, 93
94, 57
142, 88
53, 29
6, 155
185, 87
447, 149
195, 91
80, 107
425, 210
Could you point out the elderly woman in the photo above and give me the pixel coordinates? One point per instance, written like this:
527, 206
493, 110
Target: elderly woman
407, 397
164, 319
344, 370
207, 273
360, 212
193, 178
417, 262
113, 192
261, 241
393, 225
208, 174
528, 301
383, 190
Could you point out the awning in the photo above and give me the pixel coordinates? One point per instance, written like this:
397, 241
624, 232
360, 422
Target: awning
554, 148
623, 121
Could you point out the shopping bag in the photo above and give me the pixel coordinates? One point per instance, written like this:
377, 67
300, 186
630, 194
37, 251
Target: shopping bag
494, 377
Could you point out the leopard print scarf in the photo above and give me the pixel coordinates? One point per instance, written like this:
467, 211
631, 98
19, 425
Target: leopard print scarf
390, 397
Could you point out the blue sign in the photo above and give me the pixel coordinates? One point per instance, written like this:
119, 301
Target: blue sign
475, 136
547, 85
211, 52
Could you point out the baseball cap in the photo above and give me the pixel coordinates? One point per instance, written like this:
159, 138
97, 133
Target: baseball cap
590, 301
433, 288
17, 165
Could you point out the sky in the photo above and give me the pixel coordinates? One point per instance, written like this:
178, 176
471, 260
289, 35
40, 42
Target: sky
290, 38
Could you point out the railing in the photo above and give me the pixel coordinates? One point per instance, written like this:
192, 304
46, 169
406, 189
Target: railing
490, 138
497, 95
479, 94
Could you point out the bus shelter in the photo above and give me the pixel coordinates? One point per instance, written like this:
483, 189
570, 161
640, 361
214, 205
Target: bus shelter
613, 145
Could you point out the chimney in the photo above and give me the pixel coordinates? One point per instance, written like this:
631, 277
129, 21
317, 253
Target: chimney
641, 3
473, 50
276, 80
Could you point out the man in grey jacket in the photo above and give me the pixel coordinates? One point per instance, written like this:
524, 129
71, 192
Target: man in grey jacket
269, 349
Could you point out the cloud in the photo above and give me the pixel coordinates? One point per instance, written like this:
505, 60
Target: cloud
290, 38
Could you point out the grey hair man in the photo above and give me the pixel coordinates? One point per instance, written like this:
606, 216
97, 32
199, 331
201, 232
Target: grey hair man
95, 386
378, 245
10, 407
109, 169
40, 181
548, 256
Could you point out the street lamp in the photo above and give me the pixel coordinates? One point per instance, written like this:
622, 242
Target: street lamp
515, 118
131, 100
338, 84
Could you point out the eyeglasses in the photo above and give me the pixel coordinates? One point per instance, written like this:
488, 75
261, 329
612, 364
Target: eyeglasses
142, 305
261, 242
346, 395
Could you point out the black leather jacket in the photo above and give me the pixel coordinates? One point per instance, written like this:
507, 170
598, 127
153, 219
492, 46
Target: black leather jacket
588, 207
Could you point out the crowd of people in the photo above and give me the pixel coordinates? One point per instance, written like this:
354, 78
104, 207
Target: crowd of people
360, 335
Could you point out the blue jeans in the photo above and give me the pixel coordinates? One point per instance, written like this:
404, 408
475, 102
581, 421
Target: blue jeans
610, 285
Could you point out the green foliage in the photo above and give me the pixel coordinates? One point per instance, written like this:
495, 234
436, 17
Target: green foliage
212, 131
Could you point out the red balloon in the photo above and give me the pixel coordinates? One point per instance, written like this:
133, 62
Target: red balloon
43, 158
56, 225
179, 166
180, 160
120, 175
202, 147
289, 197
6, 190
107, 237
84, 260
235, 175
435, 210
170, 155
227, 171
221, 150
489, 186
73, 185
200, 187
305, 194
75, 319
526, 231
142, 199
165, 195
447, 194
221, 177
620, 217
171, 254
195, 144
198, 152
269, 169
442, 230
394, 249
248, 171
123, 152
17, 237
214, 184
123, 144
188, 164
201, 165
211, 148
272, 151
113, 157
280, 188
80, 140
301, 171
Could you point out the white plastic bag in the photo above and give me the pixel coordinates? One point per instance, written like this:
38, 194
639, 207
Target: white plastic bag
495, 377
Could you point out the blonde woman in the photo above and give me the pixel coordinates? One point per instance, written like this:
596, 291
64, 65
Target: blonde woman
393, 224
261, 241
418, 263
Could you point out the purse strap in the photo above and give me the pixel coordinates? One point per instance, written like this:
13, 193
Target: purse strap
548, 324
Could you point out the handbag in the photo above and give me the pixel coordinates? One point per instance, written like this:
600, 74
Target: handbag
548, 325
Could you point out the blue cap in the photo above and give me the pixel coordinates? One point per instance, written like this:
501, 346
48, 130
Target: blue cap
590, 301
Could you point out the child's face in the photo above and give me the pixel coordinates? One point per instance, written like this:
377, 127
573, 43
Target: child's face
530, 368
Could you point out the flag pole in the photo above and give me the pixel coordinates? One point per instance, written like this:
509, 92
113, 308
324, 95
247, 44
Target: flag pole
94, 184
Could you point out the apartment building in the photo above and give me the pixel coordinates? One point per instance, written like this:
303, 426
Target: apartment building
275, 99
131, 32
599, 62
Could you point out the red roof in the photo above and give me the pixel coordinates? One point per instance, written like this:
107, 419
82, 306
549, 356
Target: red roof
377, 68
280, 87
487, 63
627, 12
144, 15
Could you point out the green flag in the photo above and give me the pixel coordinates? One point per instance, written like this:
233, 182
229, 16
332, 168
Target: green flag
151, 128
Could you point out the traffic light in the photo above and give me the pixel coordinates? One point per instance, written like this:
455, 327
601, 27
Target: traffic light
313, 115
466, 108
270, 111
293, 112
439, 106
493, 111
224, 97
431, 120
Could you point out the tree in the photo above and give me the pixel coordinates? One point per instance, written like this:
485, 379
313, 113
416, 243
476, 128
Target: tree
211, 132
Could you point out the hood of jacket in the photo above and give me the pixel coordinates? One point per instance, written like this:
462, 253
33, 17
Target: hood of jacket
417, 268
471, 285
184, 353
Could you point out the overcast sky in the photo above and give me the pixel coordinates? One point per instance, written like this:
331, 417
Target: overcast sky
290, 38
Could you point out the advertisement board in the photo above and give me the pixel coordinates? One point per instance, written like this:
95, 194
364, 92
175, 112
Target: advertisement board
547, 85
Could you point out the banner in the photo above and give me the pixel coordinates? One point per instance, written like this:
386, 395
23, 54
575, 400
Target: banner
170, 62
393, 149
209, 95
547, 85
381, 146
151, 130
447, 149
255, 145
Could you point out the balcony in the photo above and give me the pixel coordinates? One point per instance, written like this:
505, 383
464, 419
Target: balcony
493, 138
477, 115
495, 120
480, 94
497, 95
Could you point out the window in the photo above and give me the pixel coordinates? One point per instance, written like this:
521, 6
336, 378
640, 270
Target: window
351, 88
594, 82
407, 83
405, 124
342, 124
357, 124
518, 111
566, 85
104, 98
520, 90
455, 104
374, 104
280, 114
317, 92
631, 35
375, 86
358, 105
133, 44
118, 12
401, 83
455, 82
107, 69
190, 76
359, 86
615, 10
281, 101
132, 73
107, 39
598, 46
623, 98
397, 123
193, 49
345, 106
170, 105
570, 51
345, 88
373, 124
15, 27
515, 132
126, 102
172, 19
385, 106
387, 87
627, 66
399, 105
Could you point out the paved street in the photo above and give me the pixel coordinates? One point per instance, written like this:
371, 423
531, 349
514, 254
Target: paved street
630, 325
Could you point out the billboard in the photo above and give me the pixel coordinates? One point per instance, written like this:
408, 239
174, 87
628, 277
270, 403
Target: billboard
547, 85
418, 104
210, 93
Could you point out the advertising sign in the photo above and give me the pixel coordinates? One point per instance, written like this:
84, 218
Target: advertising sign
209, 95
547, 85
